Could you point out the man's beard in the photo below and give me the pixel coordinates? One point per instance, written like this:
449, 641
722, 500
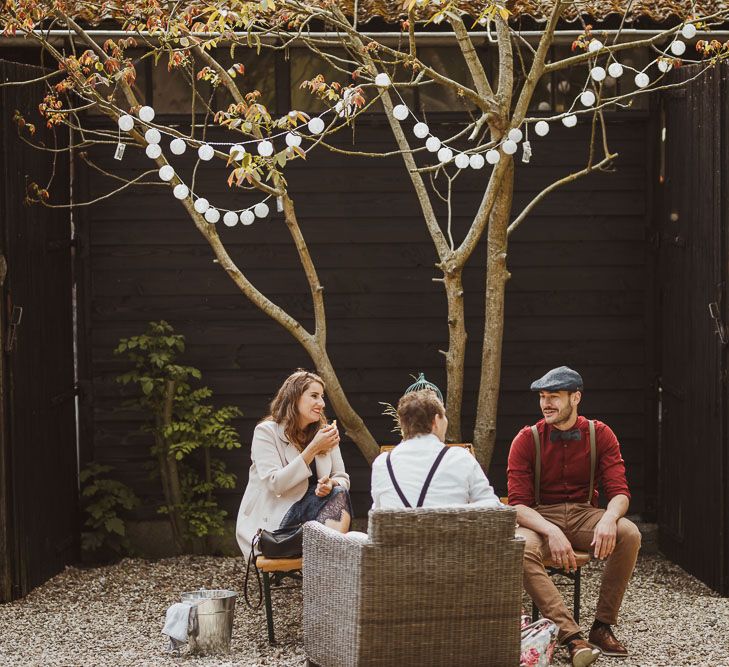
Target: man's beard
563, 416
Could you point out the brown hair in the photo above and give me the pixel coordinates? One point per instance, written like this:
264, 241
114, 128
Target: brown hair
417, 410
284, 411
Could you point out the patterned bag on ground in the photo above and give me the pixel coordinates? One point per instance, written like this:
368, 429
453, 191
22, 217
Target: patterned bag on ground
538, 641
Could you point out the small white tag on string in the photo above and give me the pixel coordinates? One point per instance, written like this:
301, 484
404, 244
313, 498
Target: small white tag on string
527, 154
279, 204
119, 152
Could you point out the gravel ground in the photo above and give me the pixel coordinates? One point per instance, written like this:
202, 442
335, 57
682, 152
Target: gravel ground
113, 616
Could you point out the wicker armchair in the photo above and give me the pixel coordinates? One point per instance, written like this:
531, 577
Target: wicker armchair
425, 587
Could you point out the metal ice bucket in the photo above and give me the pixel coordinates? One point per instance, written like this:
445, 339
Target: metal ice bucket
215, 620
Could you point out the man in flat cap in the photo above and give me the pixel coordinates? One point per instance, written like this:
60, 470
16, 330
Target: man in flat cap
554, 470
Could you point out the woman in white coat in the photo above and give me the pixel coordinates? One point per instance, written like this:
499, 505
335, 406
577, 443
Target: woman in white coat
297, 473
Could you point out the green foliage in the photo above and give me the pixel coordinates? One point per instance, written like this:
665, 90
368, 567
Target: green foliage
185, 427
102, 499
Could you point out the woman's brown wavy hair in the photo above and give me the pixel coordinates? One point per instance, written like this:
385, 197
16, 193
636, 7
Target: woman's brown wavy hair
284, 412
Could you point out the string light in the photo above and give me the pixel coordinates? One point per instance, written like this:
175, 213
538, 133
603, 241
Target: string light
212, 215
178, 146
542, 128
152, 136
166, 173
206, 152
401, 112
265, 148
382, 80
421, 130
153, 151
316, 125
688, 31
125, 122
433, 144
587, 98
515, 135
615, 70
492, 156
569, 121
678, 48
247, 217
597, 73
462, 161
181, 191
293, 140
260, 210
146, 114
476, 161
445, 154
642, 80
237, 152
509, 147
201, 205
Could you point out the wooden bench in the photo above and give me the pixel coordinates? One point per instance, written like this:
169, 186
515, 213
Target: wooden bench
277, 569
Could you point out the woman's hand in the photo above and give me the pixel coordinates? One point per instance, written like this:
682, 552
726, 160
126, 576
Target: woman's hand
324, 487
324, 441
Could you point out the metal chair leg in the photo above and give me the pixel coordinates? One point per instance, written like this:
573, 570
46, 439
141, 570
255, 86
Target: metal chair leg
269, 608
535, 613
576, 601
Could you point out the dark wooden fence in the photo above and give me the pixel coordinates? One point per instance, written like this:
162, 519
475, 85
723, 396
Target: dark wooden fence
578, 294
691, 220
38, 469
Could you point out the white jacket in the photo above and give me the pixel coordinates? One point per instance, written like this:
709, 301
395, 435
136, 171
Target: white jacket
458, 480
278, 477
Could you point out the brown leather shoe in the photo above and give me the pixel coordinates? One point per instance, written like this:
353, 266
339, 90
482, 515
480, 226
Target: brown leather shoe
581, 653
602, 636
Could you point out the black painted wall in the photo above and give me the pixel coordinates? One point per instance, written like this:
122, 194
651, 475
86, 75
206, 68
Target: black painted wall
579, 293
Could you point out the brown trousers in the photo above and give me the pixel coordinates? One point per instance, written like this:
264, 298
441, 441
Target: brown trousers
577, 521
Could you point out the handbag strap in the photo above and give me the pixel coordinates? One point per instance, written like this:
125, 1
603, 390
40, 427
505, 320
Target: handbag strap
252, 564
538, 461
426, 484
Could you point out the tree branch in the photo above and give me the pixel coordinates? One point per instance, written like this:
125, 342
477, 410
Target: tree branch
562, 181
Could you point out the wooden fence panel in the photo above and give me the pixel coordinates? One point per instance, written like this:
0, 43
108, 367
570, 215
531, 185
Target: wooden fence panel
40, 478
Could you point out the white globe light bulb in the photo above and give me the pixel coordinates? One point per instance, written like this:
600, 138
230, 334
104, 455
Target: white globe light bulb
230, 219
615, 70
432, 144
445, 154
400, 112
316, 125
166, 173
597, 73
569, 121
181, 191
688, 31
594, 46
665, 66
237, 152
462, 161
206, 152
178, 146
260, 210
382, 80
293, 140
265, 148
476, 161
515, 134
212, 215
642, 80
247, 217
153, 151
542, 128
493, 156
678, 48
125, 122
146, 114
509, 147
587, 98
152, 136
202, 205
421, 130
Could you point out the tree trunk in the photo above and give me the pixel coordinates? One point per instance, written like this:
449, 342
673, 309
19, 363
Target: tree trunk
173, 477
496, 277
353, 425
456, 355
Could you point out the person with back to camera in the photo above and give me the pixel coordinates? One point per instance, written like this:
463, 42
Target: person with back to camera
297, 473
555, 497
421, 471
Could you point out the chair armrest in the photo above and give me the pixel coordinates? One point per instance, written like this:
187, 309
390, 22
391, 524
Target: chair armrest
332, 567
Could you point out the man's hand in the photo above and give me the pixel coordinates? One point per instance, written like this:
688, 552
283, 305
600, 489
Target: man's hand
605, 535
561, 550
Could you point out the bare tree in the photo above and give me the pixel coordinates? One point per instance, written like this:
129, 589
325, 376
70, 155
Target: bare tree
182, 36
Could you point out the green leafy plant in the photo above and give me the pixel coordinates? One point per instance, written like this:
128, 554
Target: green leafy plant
102, 500
185, 430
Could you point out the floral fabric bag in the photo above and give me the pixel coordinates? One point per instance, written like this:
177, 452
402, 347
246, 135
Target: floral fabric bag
538, 641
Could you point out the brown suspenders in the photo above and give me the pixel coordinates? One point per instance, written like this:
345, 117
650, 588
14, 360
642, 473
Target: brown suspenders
538, 462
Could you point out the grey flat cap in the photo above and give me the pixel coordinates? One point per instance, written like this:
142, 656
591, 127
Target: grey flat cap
559, 379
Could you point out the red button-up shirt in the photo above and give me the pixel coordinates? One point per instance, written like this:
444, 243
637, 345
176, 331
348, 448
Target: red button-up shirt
565, 476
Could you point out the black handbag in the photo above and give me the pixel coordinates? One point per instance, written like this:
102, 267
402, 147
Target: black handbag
282, 542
